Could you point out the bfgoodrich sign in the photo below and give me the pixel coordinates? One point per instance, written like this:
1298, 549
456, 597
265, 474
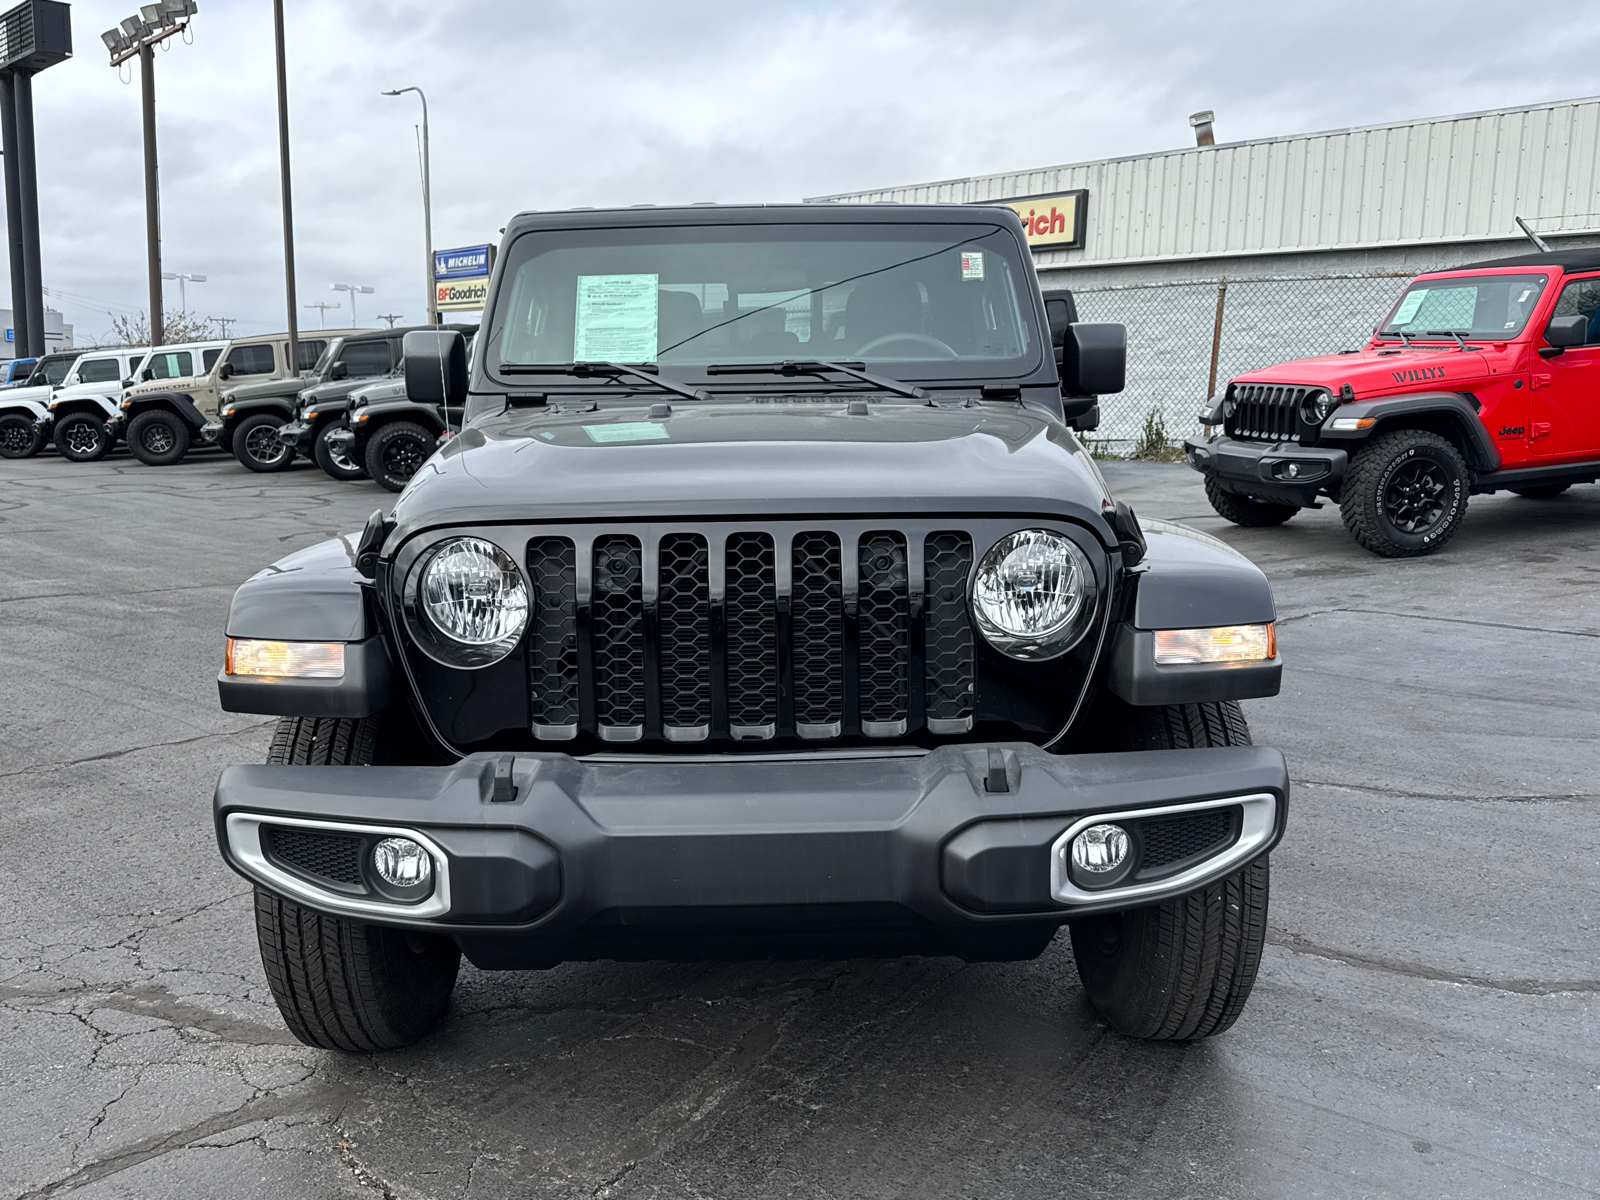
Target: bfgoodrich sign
1056, 221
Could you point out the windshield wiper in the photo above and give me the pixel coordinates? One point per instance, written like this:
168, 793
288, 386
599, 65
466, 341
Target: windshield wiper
1449, 333
606, 368
818, 366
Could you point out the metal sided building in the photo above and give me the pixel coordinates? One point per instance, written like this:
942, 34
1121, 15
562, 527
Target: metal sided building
1220, 258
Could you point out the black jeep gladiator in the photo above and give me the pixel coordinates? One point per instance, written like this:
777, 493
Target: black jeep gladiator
766, 606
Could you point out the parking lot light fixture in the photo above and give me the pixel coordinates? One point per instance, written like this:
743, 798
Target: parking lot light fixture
354, 289
183, 299
427, 203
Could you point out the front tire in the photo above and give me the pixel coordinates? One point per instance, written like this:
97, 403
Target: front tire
341, 466
342, 984
1182, 969
157, 438
397, 451
1405, 494
82, 437
1241, 510
256, 443
19, 436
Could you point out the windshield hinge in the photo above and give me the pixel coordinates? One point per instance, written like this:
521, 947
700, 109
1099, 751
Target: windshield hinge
525, 399
1000, 391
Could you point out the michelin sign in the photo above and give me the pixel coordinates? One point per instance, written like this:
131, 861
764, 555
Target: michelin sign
461, 277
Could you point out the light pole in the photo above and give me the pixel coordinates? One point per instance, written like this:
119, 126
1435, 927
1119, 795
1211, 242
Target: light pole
283, 178
355, 289
183, 298
322, 307
427, 204
139, 36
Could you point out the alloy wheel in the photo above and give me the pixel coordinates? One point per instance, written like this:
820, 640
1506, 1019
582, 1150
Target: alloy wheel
82, 438
157, 438
264, 445
15, 438
1415, 499
402, 457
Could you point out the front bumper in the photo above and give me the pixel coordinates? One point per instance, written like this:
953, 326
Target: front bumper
959, 850
115, 425
342, 440
1281, 472
298, 436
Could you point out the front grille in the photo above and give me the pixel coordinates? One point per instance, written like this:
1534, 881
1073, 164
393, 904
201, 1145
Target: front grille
1171, 839
331, 856
749, 635
1265, 412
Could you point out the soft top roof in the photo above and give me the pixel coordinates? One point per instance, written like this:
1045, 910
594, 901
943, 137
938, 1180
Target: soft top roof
1587, 259
763, 214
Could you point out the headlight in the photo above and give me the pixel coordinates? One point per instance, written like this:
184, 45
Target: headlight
1314, 409
1033, 595
466, 603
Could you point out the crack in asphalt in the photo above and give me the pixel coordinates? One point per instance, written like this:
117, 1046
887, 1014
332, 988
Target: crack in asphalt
199, 737
183, 587
1383, 612
1530, 798
1522, 987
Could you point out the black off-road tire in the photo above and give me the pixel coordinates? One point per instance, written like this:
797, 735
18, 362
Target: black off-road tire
19, 436
341, 467
1182, 969
1548, 492
397, 451
1405, 493
158, 438
342, 984
81, 437
1241, 510
253, 440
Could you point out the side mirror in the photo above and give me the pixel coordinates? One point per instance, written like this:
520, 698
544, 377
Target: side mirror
436, 367
1094, 359
147, 374
1563, 332
339, 371
226, 372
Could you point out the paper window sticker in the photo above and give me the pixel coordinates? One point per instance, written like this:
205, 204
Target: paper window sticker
972, 264
1409, 306
616, 318
627, 431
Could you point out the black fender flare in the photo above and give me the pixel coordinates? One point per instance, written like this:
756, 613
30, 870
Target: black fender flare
313, 595
403, 410
1459, 409
283, 406
172, 401
1190, 580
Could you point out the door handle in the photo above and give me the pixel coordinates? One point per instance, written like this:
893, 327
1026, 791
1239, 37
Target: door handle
1540, 381
1539, 429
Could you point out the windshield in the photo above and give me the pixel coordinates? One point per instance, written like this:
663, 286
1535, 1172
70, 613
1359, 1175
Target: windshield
325, 358
1481, 306
51, 371
945, 301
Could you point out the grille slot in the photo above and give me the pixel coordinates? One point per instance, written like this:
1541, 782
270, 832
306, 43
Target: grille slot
1171, 839
752, 617
818, 607
553, 642
948, 653
618, 609
331, 856
885, 635
685, 614
1265, 412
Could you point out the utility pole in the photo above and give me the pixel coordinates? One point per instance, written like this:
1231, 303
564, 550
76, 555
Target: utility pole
33, 35
322, 307
223, 323
390, 317
138, 36
283, 167
427, 204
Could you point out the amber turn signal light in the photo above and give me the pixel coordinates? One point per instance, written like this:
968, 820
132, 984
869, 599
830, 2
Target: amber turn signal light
1221, 644
285, 660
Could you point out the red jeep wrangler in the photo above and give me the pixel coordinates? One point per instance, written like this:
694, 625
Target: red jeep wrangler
1481, 378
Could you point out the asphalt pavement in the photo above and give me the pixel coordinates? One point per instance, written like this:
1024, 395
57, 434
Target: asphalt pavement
1426, 1022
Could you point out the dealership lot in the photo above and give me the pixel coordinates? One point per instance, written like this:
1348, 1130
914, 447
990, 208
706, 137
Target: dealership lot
1424, 1023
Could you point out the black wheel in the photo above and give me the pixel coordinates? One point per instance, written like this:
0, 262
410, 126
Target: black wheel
19, 436
158, 438
397, 451
1548, 492
1405, 493
1181, 969
256, 443
1242, 510
337, 463
82, 437
342, 984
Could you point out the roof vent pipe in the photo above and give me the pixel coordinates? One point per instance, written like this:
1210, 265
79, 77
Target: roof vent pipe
1202, 127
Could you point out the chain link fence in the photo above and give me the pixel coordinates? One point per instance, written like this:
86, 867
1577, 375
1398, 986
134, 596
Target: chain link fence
1186, 340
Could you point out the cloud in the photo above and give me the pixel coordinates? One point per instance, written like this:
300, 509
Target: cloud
552, 105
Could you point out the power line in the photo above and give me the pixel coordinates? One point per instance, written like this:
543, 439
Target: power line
223, 323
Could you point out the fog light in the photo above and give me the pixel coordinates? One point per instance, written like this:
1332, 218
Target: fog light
1221, 644
285, 660
1100, 849
402, 863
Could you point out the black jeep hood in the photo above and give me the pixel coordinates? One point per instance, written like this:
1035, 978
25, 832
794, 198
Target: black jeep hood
758, 458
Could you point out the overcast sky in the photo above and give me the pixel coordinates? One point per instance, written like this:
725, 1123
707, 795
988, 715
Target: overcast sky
549, 105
